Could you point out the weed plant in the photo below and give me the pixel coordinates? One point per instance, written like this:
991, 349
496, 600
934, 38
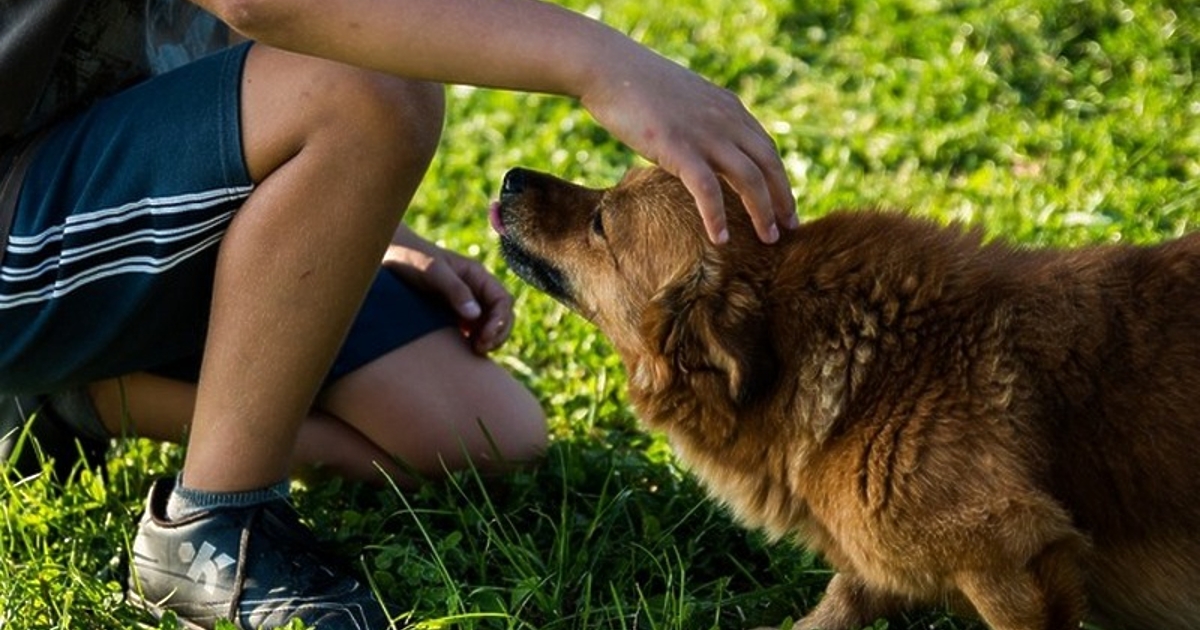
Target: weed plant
1046, 122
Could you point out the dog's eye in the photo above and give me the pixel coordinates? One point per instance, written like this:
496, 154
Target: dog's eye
598, 224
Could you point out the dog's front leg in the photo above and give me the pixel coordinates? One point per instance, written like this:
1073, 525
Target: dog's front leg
1048, 594
850, 604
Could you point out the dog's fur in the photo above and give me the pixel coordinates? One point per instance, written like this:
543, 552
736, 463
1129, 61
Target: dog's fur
1011, 431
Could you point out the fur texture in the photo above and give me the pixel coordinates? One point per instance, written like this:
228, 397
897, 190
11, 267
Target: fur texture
1012, 431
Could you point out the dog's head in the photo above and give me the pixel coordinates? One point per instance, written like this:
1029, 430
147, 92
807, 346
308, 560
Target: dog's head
635, 260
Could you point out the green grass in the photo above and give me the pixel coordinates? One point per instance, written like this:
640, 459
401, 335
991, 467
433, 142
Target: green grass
1049, 122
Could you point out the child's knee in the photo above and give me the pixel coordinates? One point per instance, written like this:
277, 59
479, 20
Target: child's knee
409, 113
528, 431
512, 433
292, 102
385, 114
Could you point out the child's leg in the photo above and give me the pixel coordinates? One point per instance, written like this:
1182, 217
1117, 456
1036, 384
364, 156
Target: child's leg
111, 263
336, 154
425, 403
404, 386
435, 405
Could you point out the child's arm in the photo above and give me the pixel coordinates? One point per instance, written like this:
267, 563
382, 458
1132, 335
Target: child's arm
663, 111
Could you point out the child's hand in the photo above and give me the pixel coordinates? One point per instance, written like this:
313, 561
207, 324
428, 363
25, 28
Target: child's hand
484, 306
698, 132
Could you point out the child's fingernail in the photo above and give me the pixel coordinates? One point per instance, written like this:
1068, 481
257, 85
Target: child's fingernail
471, 309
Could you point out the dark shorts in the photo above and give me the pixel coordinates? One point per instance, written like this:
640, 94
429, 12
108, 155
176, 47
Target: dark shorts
110, 263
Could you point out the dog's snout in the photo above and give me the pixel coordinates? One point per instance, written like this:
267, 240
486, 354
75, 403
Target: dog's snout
514, 182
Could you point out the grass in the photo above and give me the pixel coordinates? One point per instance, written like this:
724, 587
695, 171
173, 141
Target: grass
1046, 122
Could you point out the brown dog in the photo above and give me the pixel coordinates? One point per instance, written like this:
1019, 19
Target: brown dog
1011, 431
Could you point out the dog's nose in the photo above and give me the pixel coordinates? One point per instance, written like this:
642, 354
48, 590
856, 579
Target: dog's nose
514, 182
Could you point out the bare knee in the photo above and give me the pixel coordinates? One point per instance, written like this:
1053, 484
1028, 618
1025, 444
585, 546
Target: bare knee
513, 435
437, 407
391, 115
498, 428
376, 122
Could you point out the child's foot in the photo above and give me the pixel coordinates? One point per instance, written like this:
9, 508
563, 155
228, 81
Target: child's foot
257, 566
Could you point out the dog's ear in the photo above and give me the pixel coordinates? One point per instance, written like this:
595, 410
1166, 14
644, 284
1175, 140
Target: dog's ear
704, 325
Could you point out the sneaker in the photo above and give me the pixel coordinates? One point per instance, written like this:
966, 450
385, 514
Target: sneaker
25, 417
256, 566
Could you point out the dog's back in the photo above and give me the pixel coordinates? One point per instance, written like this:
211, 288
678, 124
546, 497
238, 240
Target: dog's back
1117, 356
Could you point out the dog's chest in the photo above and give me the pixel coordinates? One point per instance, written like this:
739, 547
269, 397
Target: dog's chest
784, 493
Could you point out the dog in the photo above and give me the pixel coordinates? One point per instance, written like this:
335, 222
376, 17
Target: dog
1009, 431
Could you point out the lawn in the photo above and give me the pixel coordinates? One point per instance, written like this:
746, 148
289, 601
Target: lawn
1046, 122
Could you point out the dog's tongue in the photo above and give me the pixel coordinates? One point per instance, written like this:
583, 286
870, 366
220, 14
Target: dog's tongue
494, 217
